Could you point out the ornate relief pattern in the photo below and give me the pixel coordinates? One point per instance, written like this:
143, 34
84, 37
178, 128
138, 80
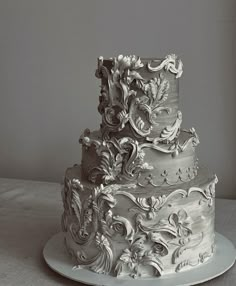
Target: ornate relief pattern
86, 229
191, 263
92, 224
185, 244
138, 256
69, 186
120, 100
89, 223
101, 263
170, 63
124, 158
152, 204
119, 158
152, 229
151, 105
182, 176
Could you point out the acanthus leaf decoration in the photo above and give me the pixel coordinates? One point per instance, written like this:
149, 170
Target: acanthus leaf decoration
67, 194
87, 227
124, 158
109, 168
151, 205
150, 104
170, 132
148, 245
84, 216
138, 256
101, 263
119, 159
93, 224
114, 100
127, 97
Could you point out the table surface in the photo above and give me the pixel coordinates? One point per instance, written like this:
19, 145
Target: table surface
30, 214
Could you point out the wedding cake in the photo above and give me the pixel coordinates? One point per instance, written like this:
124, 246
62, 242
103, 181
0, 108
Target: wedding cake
139, 205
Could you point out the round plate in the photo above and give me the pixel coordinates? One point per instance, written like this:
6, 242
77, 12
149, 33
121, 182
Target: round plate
59, 260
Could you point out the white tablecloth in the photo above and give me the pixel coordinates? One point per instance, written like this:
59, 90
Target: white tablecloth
30, 214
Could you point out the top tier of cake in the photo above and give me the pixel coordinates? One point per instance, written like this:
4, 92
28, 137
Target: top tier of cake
139, 98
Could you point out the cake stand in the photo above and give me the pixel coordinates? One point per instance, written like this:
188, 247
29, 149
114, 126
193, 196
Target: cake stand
59, 260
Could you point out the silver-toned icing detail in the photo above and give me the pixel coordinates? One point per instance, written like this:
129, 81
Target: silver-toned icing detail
182, 175
150, 204
208, 193
79, 229
124, 158
192, 263
169, 133
66, 193
119, 158
170, 63
149, 180
150, 104
120, 99
185, 244
89, 228
101, 263
185, 263
92, 224
138, 255
204, 256
177, 224
120, 224
124, 222
194, 139
118, 91
154, 204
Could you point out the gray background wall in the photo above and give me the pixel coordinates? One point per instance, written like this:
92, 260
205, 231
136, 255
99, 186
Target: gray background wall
49, 95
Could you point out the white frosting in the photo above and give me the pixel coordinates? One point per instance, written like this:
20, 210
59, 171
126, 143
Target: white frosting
126, 230
138, 206
126, 160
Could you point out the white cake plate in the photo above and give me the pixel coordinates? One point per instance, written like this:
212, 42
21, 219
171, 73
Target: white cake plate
59, 260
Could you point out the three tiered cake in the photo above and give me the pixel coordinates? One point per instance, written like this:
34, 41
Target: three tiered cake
139, 205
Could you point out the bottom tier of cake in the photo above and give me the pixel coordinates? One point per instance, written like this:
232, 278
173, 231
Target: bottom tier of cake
139, 231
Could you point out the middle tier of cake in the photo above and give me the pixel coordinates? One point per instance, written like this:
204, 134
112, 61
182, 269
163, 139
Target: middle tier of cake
127, 160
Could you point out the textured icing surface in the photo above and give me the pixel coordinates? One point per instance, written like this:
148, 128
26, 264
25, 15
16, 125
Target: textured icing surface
140, 97
157, 164
139, 205
126, 230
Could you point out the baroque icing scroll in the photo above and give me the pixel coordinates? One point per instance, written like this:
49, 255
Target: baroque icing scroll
93, 224
170, 63
124, 158
120, 99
